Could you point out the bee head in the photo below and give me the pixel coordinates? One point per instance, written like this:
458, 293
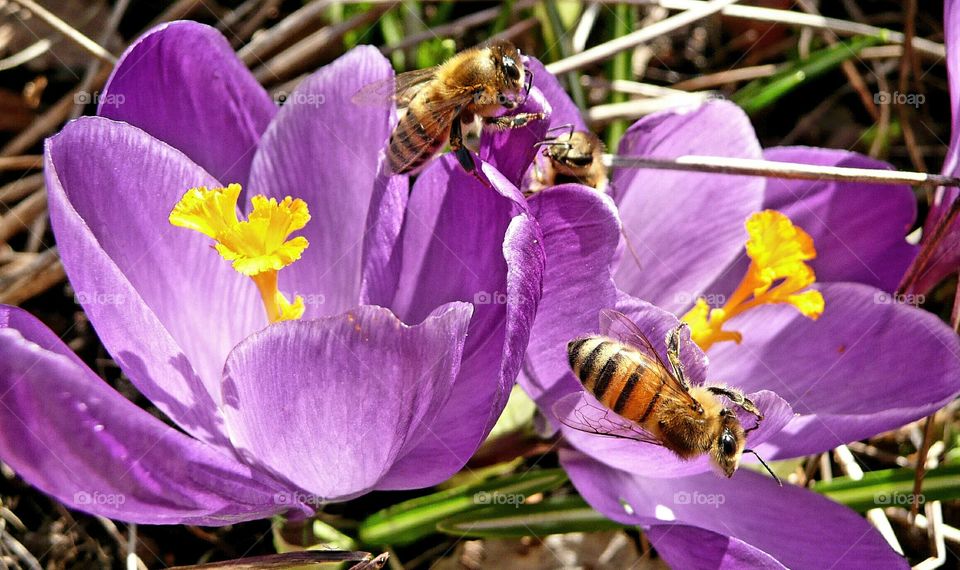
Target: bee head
729, 444
513, 78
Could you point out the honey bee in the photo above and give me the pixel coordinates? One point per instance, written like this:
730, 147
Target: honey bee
654, 403
573, 157
477, 82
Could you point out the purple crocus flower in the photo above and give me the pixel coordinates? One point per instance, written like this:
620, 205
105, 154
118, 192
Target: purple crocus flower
849, 374
941, 230
390, 380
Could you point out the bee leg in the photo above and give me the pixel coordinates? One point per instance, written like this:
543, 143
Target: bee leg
512, 121
456, 145
737, 397
673, 354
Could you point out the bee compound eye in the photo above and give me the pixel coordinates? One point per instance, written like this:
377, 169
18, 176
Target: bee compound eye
511, 69
728, 445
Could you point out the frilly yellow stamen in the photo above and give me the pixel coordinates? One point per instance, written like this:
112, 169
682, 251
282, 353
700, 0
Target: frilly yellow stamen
257, 247
778, 273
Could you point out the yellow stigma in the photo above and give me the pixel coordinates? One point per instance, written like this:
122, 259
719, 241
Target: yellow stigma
778, 273
258, 246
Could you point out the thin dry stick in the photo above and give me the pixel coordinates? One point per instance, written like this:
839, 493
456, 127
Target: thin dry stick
310, 50
848, 463
454, 28
21, 215
847, 66
771, 169
725, 77
285, 32
47, 273
17, 189
95, 49
251, 23
641, 107
632, 40
516, 30
25, 162
921, 467
840, 27
49, 120
909, 137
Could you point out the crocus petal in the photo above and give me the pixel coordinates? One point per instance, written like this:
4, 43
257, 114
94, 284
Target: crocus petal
68, 433
465, 241
511, 151
563, 111
641, 457
324, 149
111, 187
331, 403
851, 374
749, 507
682, 234
580, 236
684, 546
182, 83
858, 228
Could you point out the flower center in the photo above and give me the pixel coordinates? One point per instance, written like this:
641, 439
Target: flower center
778, 273
257, 246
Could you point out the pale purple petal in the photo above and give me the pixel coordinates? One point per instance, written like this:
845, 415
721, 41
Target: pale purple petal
563, 111
645, 458
324, 149
857, 228
68, 433
851, 374
183, 84
111, 188
685, 227
580, 236
684, 546
749, 507
464, 241
511, 151
332, 403
382, 248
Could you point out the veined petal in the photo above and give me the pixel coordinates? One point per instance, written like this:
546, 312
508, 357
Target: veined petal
68, 433
849, 375
749, 507
144, 284
463, 241
682, 235
580, 236
325, 149
331, 404
183, 84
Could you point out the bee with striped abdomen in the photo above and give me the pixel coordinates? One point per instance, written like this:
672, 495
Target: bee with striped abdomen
478, 82
655, 403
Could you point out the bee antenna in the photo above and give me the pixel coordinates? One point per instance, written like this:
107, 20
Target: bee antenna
529, 83
767, 467
565, 127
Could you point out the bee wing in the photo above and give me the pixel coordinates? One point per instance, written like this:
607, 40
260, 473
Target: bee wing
400, 89
618, 326
577, 412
